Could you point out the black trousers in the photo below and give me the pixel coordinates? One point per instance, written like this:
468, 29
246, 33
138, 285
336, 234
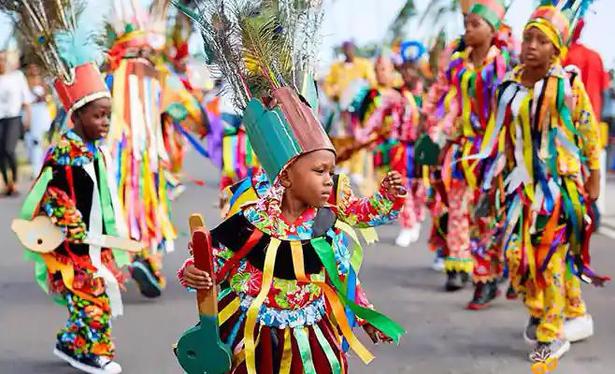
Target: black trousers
10, 131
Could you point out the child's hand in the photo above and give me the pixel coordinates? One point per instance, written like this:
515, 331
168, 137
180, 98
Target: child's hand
197, 279
376, 335
393, 183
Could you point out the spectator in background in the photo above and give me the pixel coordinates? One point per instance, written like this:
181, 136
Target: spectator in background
41, 117
339, 85
592, 69
608, 115
15, 99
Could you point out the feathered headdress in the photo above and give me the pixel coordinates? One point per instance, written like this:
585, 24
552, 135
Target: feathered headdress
66, 50
266, 51
557, 18
134, 28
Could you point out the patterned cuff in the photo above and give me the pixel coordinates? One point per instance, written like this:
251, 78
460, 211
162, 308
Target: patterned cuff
397, 200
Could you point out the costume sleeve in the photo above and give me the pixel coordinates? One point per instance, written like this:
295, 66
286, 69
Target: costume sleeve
587, 126
61, 209
376, 210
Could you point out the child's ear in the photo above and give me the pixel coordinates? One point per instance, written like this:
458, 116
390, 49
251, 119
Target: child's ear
285, 179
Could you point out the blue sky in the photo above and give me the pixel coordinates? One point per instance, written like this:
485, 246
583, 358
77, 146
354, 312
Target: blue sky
367, 20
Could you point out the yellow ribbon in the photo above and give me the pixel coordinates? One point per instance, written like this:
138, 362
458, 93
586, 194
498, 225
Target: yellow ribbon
452, 94
468, 170
298, 264
227, 149
249, 341
228, 311
370, 235
527, 144
466, 104
168, 230
287, 354
68, 275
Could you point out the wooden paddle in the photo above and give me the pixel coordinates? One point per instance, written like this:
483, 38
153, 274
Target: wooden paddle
42, 236
199, 349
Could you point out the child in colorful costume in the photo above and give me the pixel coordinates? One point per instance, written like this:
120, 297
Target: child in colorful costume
288, 280
76, 190
390, 119
462, 108
137, 143
541, 132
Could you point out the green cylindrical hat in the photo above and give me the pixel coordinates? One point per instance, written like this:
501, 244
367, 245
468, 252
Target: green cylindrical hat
284, 131
492, 11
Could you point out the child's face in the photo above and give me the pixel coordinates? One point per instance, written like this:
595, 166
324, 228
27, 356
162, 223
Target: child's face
537, 51
309, 178
478, 31
410, 74
94, 119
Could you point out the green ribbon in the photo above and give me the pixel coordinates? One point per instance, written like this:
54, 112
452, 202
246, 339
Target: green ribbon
249, 155
36, 194
331, 357
563, 108
29, 207
108, 216
386, 325
304, 350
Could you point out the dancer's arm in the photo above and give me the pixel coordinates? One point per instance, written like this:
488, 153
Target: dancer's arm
382, 207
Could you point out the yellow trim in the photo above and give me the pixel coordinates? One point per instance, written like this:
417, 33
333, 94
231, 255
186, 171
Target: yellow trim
228, 311
253, 310
287, 354
298, 263
604, 134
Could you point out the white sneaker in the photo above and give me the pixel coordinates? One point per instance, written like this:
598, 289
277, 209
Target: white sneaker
95, 365
408, 236
544, 351
580, 328
438, 264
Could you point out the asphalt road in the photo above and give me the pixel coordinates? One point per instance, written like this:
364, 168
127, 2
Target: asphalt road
442, 338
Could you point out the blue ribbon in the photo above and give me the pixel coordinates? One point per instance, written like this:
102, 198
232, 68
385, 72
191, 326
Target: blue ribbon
192, 140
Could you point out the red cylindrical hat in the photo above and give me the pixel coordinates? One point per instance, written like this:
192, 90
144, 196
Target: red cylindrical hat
87, 85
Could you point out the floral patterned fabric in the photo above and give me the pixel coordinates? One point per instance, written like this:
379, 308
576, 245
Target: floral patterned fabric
87, 330
59, 207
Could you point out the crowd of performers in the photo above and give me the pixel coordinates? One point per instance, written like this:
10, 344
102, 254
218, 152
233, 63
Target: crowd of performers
497, 141
514, 166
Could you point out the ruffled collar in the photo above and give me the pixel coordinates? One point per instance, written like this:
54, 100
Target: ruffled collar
279, 226
71, 150
464, 56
